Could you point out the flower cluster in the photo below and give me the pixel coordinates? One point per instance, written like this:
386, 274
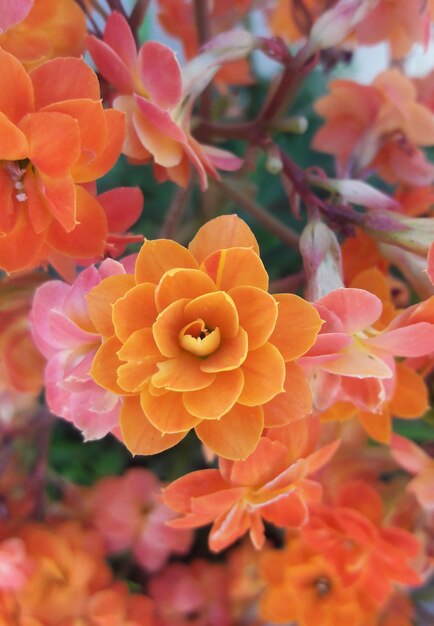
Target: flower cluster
250, 361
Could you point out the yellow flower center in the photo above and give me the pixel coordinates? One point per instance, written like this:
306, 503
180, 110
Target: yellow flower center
197, 339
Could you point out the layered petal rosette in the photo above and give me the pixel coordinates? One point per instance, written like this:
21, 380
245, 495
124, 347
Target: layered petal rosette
194, 340
56, 137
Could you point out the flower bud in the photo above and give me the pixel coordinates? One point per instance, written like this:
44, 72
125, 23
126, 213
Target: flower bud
337, 23
322, 260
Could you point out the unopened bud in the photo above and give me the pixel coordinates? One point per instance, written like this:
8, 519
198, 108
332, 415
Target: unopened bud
321, 254
337, 23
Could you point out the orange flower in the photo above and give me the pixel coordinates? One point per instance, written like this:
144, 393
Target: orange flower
304, 587
191, 339
55, 137
377, 127
51, 29
270, 484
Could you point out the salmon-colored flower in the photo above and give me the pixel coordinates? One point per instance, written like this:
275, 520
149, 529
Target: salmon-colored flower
191, 339
157, 99
378, 127
14, 564
353, 357
55, 137
129, 515
272, 484
40, 30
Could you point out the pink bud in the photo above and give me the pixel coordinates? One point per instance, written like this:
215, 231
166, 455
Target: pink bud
322, 260
336, 24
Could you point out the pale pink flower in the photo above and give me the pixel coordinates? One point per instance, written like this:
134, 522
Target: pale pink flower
67, 338
15, 565
416, 461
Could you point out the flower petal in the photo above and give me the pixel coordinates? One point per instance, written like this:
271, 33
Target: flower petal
216, 399
297, 326
234, 267
182, 373
294, 403
356, 308
217, 310
16, 92
158, 256
229, 356
103, 296
105, 365
257, 311
226, 231
14, 144
182, 283
413, 340
160, 74
236, 434
135, 310
410, 397
167, 412
264, 375
139, 435
167, 327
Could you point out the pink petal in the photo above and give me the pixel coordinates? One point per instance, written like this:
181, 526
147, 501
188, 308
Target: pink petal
356, 308
409, 455
222, 159
160, 74
413, 340
122, 207
359, 363
118, 36
110, 65
13, 12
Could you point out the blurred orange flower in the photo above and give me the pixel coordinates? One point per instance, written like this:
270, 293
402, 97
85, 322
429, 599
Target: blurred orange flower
52, 28
191, 339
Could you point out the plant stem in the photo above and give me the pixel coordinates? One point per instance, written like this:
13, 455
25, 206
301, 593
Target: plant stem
275, 226
203, 28
175, 213
288, 284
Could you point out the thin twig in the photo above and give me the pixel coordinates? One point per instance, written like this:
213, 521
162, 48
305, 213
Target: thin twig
203, 29
138, 15
284, 233
290, 283
175, 213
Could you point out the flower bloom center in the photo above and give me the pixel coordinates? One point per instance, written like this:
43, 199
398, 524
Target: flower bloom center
323, 586
197, 339
16, 170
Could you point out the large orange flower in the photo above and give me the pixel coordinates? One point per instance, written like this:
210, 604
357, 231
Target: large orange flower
193, 340
55, 137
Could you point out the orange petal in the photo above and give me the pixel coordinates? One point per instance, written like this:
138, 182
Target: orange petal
236, 434
64, 79
264, 375
228, 528
226, 231
60, 196
217, 310
257, 312
179, 493
235, 267
16, 92
21, 248
40, 216
134, 376
217, 399
410, 397
167, 412
182, 283
159, 255
257, 470
140, 345
135, 310
182, 373
105, 365
377, 425
294, 403
14, 143
54, 142
297, 326
105, 158
138, 434
87, 239
290, 511
229, 356
101, 298
168, 326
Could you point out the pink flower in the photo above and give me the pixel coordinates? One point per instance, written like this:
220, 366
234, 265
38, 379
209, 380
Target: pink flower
351, 359
157, 100
66, 336
129, 515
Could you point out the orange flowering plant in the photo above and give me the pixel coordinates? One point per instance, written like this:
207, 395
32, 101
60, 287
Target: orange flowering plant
249, 360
